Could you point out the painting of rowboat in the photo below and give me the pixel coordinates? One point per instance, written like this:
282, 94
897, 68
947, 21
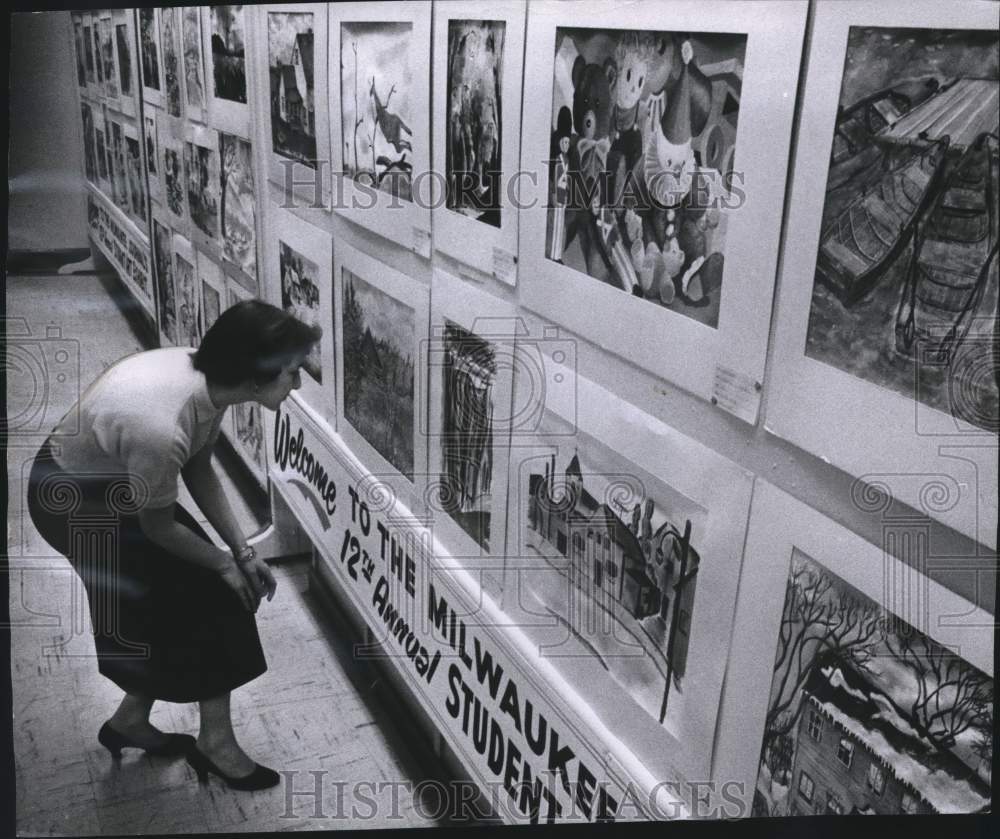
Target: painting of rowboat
905, 287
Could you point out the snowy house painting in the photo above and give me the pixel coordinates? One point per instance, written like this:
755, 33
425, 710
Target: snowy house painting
867, 714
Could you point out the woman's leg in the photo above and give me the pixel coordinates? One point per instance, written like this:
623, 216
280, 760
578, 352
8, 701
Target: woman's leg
132, 719
217, 741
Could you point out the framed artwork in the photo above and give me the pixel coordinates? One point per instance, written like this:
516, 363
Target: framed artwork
857, 682
380, 138
237, 212
80, 51
297, 52
885, 346
301, 261
469, 364
624, 544
106, 29
225, 28
172, 68
149, 54
134, 175
95, 31
175, 194
110, 163
212, 294
660, 183
203, 181
120, 166
89, 149
247, 430
195, 98
152, 139
382, 320
124, 59
163, 260
186, 292
88, 49
477, 132
100, 147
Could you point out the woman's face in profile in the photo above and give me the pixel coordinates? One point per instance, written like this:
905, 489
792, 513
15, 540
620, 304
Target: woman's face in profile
274, 392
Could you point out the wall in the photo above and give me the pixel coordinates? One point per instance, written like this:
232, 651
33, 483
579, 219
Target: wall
47, 208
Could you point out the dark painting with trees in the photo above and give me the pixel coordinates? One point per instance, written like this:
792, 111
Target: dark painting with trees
228, 56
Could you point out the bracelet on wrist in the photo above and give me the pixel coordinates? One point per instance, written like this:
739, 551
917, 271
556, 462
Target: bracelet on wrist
245, 555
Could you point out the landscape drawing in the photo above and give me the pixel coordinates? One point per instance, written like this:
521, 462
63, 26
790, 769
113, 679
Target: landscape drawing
187, 303
641, 160
174, 180
136, 181
466, 484
593, 525
89, 154
237, 214
375, 105
228, 59
171, 60
907, 270
107, 55
379, 341
124, 59
209, 311
148, 46
201, 167
867, 715
290, 46
474, 139
300, 297
149, 121
193, 70
165, 280
120, 183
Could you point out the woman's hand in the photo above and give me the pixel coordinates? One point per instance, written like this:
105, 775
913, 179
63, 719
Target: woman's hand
233, 576
260, 578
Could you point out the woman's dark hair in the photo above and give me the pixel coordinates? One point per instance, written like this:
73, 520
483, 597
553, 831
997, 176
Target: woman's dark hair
251, 341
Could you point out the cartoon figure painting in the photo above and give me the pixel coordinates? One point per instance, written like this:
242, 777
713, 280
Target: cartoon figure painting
644, 131
474, 131
907, 268
375, 105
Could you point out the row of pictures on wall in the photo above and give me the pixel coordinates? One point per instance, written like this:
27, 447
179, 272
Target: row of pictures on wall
105, 57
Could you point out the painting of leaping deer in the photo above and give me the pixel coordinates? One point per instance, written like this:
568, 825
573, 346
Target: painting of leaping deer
388, 123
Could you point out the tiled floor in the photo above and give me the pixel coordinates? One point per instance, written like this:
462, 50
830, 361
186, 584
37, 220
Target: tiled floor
314, 714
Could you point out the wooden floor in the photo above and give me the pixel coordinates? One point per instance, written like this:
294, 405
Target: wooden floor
314, 714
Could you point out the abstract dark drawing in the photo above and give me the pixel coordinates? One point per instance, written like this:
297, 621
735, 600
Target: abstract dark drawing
379, 336
228, 58
641, 161
868, 715
375, 105
124, 59
474, 128
905, 291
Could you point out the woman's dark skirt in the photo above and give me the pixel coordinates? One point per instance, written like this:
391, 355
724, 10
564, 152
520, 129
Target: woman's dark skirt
163, 627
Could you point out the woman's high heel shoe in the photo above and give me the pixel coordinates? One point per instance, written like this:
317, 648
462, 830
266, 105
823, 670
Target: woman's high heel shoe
114, 742
260, 778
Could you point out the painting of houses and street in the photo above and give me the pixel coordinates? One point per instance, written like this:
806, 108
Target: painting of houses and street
379, 340
165, 280
147, 40
136, 181
905, 290
300, 297
474, 136
124, 59
293, 107
239, 233
867, 714
615, 558
193, 71
468, 373
642, 155
201, 165
187, 303
375, 105
228, 58
174, 180
171, 59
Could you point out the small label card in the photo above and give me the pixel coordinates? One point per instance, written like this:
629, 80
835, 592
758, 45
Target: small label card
504, 265
736, 393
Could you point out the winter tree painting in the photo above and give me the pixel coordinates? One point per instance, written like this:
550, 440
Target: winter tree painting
867, 714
